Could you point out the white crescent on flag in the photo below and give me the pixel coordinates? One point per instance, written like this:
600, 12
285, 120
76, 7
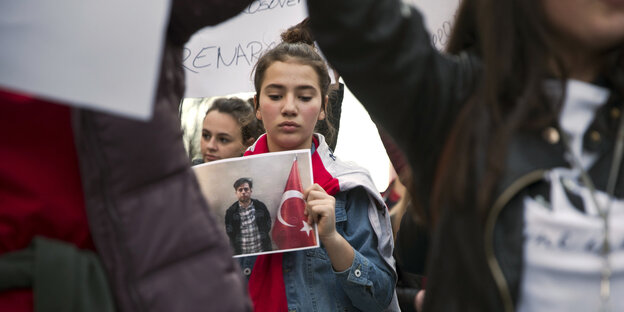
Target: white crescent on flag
287, 195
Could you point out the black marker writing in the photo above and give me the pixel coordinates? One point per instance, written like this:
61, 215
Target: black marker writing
216, 57
264, 5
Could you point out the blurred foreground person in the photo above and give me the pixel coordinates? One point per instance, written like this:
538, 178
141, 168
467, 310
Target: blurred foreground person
85, 179
516, 143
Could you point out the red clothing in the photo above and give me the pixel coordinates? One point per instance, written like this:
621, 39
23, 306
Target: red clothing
40, 189
266, 280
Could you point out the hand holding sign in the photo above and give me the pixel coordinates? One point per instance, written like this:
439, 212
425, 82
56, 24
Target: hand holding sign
320, 209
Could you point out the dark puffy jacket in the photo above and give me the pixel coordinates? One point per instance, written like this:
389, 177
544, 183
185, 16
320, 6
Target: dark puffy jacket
159, 243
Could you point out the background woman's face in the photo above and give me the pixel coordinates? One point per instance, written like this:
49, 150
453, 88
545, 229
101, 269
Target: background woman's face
290, 104
221, 137
594, 24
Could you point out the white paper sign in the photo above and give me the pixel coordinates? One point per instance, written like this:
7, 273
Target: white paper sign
218, 60
439, 17
103, 55
278, 181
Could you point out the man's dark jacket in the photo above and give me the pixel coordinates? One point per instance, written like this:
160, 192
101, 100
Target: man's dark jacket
233, 225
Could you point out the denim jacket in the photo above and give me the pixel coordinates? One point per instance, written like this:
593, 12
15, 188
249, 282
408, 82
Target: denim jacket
313, 285
362, 219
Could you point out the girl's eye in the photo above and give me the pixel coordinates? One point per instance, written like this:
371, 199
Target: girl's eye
206, 136
305, 98
224, 140
274, 97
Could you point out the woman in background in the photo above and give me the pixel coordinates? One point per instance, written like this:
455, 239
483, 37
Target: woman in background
229, 128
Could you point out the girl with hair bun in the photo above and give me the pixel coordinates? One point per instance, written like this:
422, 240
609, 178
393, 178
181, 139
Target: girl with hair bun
354, 269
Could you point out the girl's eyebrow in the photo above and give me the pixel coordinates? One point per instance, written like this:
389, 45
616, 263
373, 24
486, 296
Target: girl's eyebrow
275, 86
281, 87
224, 134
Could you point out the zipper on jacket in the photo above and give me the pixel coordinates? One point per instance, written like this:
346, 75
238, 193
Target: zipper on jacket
497, 207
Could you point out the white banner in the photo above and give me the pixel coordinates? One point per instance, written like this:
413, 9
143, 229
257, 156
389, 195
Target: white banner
103, 55
219, 60
439, 16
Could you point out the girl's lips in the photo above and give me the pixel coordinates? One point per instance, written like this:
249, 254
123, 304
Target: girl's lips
288, 126
211, 157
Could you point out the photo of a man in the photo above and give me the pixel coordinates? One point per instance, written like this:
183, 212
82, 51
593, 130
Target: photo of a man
263, 215
248, 221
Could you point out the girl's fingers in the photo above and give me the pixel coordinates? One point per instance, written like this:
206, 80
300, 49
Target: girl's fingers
313, 188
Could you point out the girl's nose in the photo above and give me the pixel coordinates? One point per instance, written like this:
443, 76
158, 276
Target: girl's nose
212, 144
289, 106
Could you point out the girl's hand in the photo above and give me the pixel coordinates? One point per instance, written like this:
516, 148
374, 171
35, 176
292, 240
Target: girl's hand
320, 209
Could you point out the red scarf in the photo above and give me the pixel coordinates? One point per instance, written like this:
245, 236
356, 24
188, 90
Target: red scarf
266, 283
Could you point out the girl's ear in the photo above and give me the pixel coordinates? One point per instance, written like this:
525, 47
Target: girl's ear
255, 99
324, 107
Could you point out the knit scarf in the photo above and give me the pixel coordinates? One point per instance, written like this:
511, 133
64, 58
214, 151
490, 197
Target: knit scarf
266, 283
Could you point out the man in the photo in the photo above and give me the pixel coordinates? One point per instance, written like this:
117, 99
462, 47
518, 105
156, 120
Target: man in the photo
247, 221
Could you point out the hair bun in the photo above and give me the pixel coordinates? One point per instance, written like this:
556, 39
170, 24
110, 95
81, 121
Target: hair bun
299, 33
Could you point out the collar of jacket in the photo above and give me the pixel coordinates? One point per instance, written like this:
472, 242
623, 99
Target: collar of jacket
529, 156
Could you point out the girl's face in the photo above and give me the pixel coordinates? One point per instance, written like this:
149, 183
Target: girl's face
221, 137
290, 104
595, 25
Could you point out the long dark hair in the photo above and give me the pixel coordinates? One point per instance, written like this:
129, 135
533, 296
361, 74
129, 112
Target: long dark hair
513, 40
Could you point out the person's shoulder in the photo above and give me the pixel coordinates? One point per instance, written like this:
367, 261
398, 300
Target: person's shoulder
257, 202
232, 207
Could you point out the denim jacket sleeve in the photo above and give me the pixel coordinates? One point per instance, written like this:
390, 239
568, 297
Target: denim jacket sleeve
369, 282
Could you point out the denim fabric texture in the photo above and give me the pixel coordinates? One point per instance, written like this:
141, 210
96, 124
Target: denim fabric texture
313, 285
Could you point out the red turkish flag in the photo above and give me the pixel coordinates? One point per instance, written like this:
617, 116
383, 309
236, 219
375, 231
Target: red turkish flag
291, 229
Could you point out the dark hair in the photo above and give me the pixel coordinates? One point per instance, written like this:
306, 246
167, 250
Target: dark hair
515, 44
242, 181
299, 33
243, 113
299, 53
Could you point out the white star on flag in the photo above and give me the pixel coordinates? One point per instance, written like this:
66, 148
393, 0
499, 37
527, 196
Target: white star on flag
306, 228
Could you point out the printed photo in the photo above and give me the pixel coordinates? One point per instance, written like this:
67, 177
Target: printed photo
258, 201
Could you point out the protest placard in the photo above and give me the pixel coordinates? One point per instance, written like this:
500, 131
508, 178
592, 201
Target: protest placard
258, 201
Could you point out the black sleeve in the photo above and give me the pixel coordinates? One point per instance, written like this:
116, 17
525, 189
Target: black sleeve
189, 16
412, 245
267, 222
383, 52
228, 226
265, 225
